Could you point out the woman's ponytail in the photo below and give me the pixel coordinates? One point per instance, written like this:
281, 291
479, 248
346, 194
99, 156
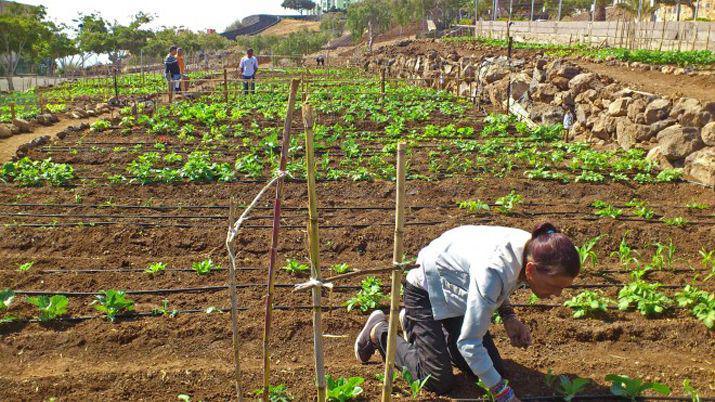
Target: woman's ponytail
552, 251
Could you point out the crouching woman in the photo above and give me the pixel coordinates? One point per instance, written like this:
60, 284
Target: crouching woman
463, 278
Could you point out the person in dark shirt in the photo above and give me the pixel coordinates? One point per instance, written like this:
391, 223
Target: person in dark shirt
172, 70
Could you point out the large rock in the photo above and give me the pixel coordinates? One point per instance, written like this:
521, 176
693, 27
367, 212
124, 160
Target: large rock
519, 86
660, 125
656, 155
583, 111
563, 98
544, 93
602, 127
700, 165
683, 105
629, 134
588, 95
583, 82
657, 110
492, 73
677, 142
562, 83
619, 107
696, 117
22, 125
546, 114
557, 69
5, 131
708, 134
636, 108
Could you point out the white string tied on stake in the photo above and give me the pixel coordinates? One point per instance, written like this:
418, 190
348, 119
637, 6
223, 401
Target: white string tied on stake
313, 283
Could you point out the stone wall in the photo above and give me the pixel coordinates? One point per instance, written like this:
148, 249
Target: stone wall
676, 133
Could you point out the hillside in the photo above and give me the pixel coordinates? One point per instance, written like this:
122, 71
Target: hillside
287, 26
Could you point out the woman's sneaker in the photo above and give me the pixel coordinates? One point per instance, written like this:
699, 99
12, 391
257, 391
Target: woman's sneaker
364, 348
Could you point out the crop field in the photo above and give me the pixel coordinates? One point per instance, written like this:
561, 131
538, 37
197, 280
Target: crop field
114, 271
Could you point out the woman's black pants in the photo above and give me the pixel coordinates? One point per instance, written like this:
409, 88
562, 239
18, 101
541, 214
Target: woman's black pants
432, 346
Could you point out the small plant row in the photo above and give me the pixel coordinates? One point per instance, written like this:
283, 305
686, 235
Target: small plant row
27, 172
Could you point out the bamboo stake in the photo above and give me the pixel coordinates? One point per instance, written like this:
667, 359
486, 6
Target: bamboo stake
397, 256
662, 37
232, 216
313, 244
225, 86
382, 85
274, 237
13, 114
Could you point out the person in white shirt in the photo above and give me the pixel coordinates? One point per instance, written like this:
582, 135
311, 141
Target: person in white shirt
464, 277
249, 68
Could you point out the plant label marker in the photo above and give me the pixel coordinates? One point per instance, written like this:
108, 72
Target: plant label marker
397, 257
274, 237
313, 244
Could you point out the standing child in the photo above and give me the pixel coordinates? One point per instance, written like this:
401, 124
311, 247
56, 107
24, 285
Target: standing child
249, 68
568, 119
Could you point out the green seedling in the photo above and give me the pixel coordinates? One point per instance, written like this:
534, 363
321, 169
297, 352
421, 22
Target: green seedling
415, 384
155, 268
588, 303
294, 267
276, 393
697, 206
700, 303
369, 297
343, 389
100, 125
693, 393
708, 262
586, 253
626, 255
113, 302
204, 267
677, 221
632, 388
164, 310
606, 210
564, 386
26, 266
645, 297
507, 203
51, 307
664, 256
474, 206
341, 268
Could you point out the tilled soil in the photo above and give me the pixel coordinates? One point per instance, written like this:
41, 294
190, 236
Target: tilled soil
93, 236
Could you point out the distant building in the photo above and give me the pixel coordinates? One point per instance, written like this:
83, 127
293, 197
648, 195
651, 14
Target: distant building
705, 9
323, 6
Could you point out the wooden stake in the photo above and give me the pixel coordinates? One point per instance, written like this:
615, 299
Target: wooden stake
457, 80
382, 85
13, 114
397, 256
171, 90
313, 244
662, 37
274, 237
225, 85
232, 216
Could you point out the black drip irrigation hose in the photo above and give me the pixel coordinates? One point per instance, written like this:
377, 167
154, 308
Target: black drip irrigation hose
595, 397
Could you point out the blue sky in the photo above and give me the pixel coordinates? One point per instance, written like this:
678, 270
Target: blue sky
196, 15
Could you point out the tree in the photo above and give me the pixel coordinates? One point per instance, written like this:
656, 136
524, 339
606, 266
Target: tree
233, 26
370, 15
59, 48
98, 36
298, 5
439, 11
22, 34
333, 23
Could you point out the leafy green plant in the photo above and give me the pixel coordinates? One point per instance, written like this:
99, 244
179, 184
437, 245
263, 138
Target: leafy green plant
474, 206
586, 253
632, 388
204, 267
645, 297
51, 307
669, 175
588, 303
369, 297
415, 384
276, 393
27, 172
155, 268
604, 209
691, 391
697, 206
100, 125
294, 267
341, 268
564, 386
507, 203
664, 256
164, 310
708, 261
626, 255
343, 389
677, 221
700, 303
26, 266
113, 302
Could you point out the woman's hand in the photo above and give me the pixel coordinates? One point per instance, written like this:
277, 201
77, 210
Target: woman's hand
519, 334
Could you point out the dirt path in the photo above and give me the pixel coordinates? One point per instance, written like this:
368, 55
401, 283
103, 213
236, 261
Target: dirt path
9, 146
699, 86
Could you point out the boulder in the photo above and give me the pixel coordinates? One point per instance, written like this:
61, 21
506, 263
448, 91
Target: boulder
657, 110
710, 108
562, 83
583, 82
658, 126
519, 86
677, 142
583, 110
22, 125
497, 92
544, 93
708, 134
700, 165
557, 69
46, 119
600, 127
629, 133
683, 105
619, 107
5, 131
656, 156
563, 98
539, 75
695, 118
588, 95
492, 73
545, 114
635, 108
